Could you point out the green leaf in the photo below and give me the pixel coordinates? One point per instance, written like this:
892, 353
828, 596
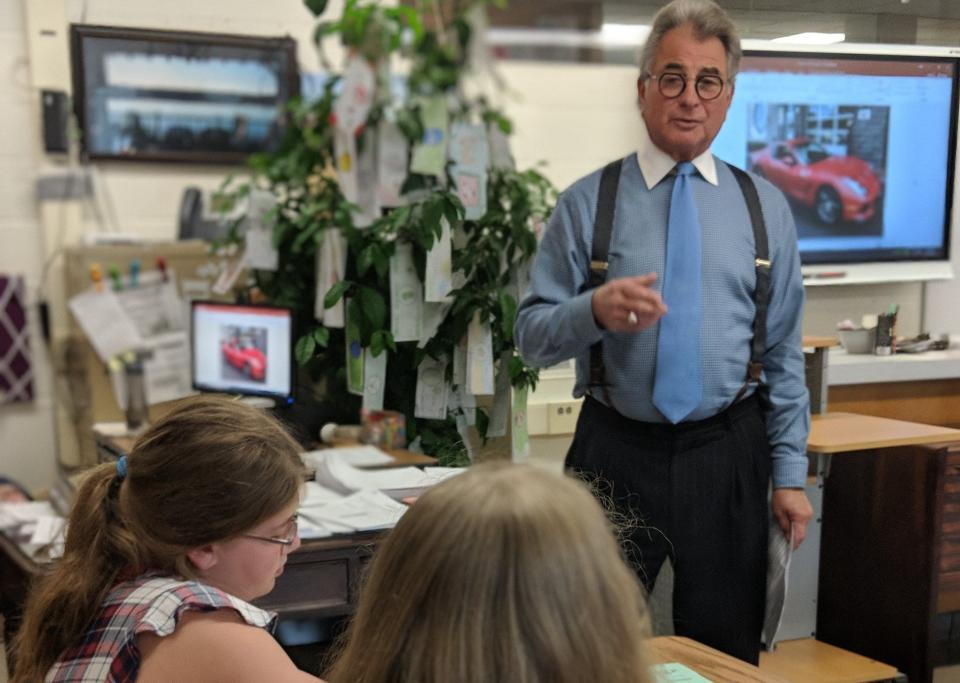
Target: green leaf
321, 336
381, 261
374, 306
335, 293
304, 349
377, 343
432, 213
316, 7
508, 309
365, 259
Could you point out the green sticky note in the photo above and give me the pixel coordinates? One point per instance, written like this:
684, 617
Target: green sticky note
674, 672
430, 154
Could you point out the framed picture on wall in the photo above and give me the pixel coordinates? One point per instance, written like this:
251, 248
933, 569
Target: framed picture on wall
149, 95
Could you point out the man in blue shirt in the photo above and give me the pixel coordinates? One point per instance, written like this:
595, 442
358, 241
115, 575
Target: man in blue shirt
694, 480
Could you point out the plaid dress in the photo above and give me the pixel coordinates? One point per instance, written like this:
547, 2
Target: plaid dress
148, 604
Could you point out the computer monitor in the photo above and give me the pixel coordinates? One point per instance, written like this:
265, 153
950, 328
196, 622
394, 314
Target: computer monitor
242, 349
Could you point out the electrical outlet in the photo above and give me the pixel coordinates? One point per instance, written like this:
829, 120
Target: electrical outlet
562, 416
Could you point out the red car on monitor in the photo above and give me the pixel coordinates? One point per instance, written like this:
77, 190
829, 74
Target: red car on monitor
835, 187
244, 356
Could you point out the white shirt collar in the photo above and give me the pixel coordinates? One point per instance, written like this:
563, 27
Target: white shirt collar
657, 164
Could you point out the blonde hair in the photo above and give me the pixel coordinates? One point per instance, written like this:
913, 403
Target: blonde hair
504, 573
210, 470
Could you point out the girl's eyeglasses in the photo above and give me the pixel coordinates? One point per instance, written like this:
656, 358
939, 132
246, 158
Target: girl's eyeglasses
279, 540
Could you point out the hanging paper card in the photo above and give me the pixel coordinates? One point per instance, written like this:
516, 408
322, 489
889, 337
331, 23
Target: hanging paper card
345, 150
406, 295
468, 147
432, 318
500, 412
519, 437
500, 156
464, 432
228, 276
468, 404
260, 252
479, 356
431, 400
460, 363
356, 95
472, 191
430, 154
367, 200
374, 380
331, 266
355, 358
393, 151
439, 274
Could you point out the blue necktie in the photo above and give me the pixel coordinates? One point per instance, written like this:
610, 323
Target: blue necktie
678, 387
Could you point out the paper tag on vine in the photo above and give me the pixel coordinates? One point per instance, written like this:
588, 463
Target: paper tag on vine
393, 151
374, 379
468, 147
519, 437
431, 399
432, 318
406, 295
439, 273
464, 432
355, 358
228, 276
468, 404
345, 150
479, 356
368, 202
260, 252
331, 266
430, 154
500, 156
500, 411
472, 191
357, 90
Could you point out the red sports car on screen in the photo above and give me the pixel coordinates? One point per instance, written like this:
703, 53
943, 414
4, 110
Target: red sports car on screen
246, 357
837, 188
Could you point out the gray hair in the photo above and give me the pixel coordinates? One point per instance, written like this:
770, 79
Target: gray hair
707, 19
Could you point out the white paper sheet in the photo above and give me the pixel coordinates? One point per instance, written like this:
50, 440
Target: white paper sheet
479, 357
433, 314
368, 200
374, 380
358, 87
166, 373
107, 326
439, 269
500, 411
260, 252
779, 554
393, 151
355, 456
331, 267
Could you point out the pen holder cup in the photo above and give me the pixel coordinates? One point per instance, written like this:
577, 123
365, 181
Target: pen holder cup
858, 341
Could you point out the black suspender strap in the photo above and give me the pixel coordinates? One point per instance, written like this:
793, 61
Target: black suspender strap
602, 230
761, 293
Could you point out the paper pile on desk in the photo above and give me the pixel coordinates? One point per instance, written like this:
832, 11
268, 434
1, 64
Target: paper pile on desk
357, 456
396, 482
35, 527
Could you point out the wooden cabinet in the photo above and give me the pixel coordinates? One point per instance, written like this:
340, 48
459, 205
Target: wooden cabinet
890, 556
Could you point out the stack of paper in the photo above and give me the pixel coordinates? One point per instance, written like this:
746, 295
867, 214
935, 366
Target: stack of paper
358, 456
38, 523
360, 511
397, 482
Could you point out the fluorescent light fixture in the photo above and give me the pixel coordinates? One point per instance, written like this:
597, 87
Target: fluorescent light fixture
632, 35
812, 38
610, 36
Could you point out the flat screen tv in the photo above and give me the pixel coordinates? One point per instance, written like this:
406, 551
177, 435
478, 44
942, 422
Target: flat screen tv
149, 95
862, 141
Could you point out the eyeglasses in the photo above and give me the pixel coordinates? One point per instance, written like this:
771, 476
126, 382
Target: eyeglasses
672, 84
279, 540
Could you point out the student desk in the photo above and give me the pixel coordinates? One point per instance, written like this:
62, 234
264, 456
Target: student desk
712, 664
889, 556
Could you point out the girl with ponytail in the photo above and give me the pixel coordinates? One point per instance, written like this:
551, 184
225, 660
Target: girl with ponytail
164, 551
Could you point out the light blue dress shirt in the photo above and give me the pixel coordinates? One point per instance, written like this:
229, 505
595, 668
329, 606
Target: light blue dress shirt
555, 321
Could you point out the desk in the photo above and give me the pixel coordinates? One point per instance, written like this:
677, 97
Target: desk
889, 579
710, 663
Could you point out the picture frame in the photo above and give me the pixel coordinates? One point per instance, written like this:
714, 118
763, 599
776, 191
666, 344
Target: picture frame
151, 95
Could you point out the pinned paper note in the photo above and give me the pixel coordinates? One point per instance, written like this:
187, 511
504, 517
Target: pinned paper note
260, 253
439, 275
355, 100
430, 154
431, 399
393, 151
479, 356
331, 266
470, 155
519, 438
500, 156
406, 295
107, 326
374, 380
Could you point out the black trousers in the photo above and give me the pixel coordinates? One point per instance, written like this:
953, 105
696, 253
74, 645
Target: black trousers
696, 492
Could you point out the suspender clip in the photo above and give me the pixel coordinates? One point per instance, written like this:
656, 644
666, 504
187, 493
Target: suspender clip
599, 265
762, 263
754, 370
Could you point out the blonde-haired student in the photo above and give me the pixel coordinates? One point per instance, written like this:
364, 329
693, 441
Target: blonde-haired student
164, 552
504, 573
